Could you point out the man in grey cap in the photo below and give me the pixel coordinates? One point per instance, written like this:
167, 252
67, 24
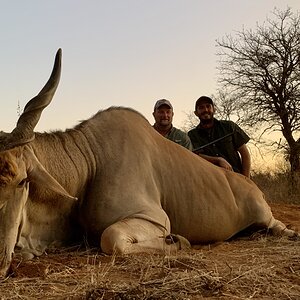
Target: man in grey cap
163, 115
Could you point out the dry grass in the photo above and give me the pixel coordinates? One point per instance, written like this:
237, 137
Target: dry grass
246, 268
277, 187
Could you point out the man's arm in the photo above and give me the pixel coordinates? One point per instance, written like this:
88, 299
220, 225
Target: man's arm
246, 160
219, 161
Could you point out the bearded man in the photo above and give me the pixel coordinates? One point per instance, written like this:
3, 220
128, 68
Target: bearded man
220, 138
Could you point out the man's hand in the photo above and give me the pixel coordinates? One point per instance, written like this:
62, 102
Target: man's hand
223, 163
218, 161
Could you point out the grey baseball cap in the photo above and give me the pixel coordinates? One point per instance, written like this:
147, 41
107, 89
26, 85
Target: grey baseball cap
161, 102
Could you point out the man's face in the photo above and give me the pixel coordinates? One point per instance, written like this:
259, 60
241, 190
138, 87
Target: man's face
163, 115
205, 112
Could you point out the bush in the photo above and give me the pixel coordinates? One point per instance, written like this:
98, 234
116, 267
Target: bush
278, 187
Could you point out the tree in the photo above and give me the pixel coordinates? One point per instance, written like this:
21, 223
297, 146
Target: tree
227, 106
262, 70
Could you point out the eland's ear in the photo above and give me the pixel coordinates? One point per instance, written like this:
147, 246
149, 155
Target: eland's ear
38, 174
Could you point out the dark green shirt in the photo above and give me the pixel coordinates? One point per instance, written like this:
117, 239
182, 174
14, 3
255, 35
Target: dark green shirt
180, 137
227, 147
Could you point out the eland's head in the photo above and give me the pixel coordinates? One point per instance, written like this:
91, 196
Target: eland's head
19, 166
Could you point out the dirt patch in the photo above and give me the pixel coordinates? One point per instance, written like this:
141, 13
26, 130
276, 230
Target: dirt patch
288, 214
248, 267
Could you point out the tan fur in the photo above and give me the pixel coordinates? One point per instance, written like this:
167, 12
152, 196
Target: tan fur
134, 187
120, 168
8, 167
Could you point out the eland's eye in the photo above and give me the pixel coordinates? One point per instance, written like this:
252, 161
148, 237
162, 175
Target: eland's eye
22, 182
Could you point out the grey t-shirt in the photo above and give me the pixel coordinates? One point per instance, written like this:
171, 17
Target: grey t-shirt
178, 136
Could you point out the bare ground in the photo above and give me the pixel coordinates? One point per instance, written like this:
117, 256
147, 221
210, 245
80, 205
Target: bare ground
255, 266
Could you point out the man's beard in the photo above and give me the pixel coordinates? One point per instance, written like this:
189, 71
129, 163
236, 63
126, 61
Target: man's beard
207, 121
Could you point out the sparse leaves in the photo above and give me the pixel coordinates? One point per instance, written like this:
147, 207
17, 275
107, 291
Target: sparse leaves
261, 68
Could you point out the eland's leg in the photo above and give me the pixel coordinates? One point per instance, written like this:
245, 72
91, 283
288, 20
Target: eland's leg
276, 227
279, 229
138, 235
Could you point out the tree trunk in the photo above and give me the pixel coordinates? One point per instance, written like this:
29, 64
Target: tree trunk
294, 159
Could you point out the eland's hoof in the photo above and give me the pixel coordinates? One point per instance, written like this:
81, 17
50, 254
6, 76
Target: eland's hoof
182, 242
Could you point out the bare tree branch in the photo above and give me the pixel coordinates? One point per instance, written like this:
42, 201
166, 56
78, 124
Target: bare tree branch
261, 68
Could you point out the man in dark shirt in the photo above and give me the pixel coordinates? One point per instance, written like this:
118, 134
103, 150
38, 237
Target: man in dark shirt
220, 138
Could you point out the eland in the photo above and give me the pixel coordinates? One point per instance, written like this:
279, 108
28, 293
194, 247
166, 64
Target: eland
117, 182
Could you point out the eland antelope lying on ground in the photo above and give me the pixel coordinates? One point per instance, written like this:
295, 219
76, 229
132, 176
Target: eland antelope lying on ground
114, 179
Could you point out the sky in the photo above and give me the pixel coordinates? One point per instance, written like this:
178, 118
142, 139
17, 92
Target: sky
116, 53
